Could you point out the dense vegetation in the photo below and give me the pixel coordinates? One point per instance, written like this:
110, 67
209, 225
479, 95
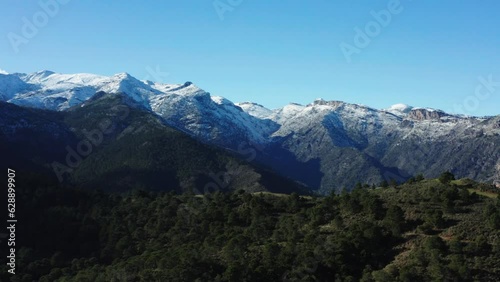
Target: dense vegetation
426, 230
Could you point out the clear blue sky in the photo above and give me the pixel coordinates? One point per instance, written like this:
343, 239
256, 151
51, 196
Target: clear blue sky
274, 52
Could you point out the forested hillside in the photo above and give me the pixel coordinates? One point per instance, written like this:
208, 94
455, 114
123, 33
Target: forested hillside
112, 143
426, 230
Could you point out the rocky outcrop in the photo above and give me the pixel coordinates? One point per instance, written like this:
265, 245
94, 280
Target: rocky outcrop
425, 114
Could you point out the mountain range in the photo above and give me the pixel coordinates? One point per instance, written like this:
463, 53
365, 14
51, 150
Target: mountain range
325, 145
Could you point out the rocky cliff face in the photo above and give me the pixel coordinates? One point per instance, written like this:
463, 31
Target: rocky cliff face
425, 114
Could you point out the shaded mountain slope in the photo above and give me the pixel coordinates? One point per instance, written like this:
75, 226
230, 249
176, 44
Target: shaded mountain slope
113, 143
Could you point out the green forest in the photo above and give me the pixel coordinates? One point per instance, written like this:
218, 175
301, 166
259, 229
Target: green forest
423, 230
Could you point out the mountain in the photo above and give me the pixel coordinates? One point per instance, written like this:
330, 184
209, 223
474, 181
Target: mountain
327, 145
182, 105
353, 142
112, 143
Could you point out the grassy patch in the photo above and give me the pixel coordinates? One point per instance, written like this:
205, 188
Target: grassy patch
485, 194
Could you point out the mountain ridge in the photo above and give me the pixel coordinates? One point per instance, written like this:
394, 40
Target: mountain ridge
340, 143
97, 81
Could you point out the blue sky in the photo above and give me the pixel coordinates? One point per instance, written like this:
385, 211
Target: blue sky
429, 54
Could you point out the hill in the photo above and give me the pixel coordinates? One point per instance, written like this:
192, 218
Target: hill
420, 231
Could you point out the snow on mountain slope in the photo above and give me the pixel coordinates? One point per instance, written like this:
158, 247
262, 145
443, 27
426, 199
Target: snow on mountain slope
196, 111
11, 85
295, 118
162, 87
49, 90
211, 118
287, 112
53, 91
200, 113
255, 110
184, 105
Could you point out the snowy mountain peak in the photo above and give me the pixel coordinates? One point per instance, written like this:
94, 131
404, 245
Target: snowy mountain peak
221, 100
399, 109
3, 71
123, 75
250, 104
45, 72
293, 107
255, 109
38, 76
186, 89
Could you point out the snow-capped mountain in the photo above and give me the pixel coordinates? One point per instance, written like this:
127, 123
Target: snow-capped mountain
184, 106
255, 110
325, 144
351, 142
53, 91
